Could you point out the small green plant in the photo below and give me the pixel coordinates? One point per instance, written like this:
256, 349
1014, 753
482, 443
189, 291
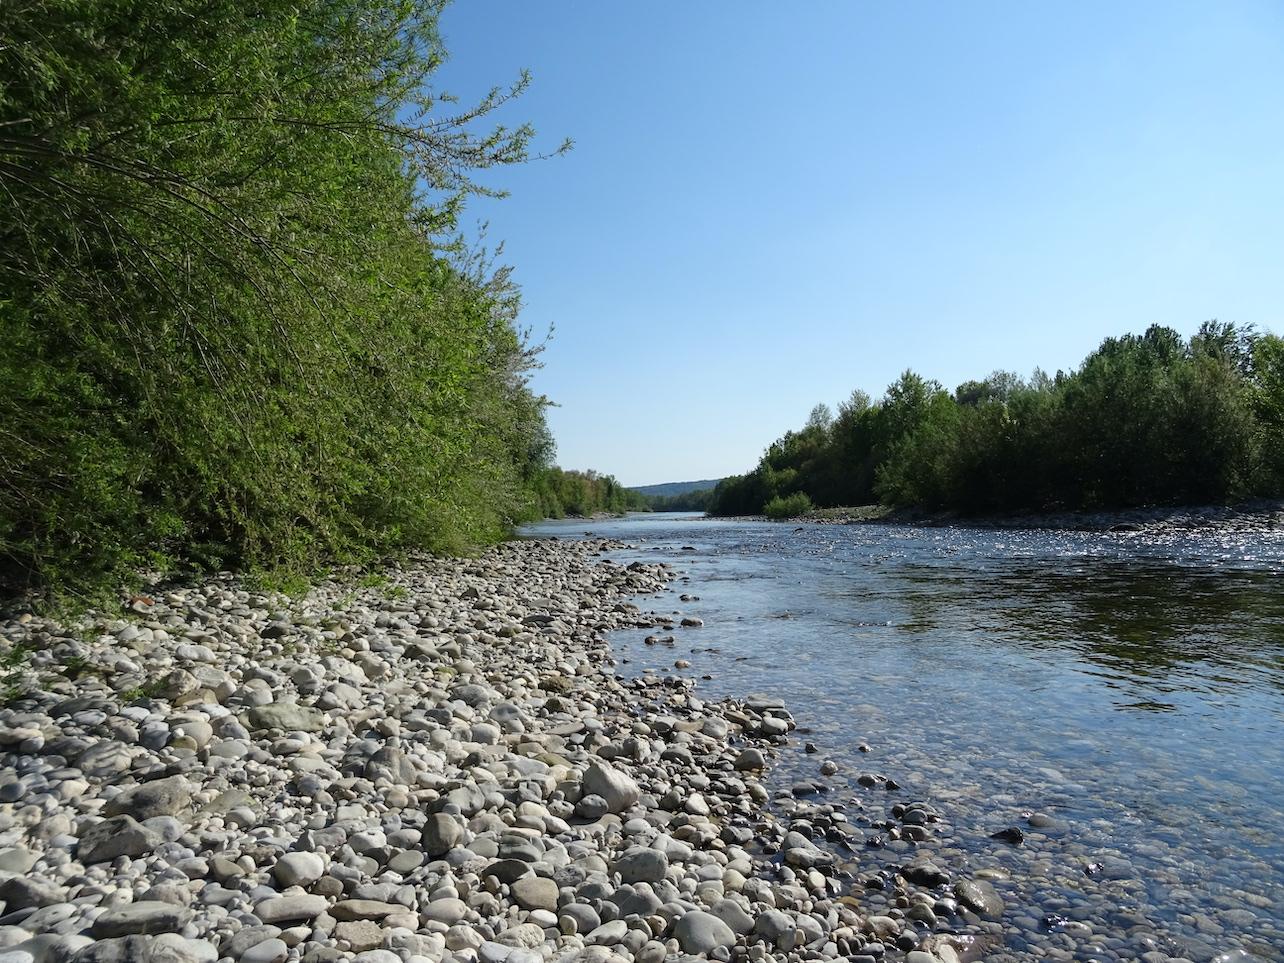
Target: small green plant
12, 679
788, 506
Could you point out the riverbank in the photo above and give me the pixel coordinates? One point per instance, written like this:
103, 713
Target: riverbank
1256, 516
444, 767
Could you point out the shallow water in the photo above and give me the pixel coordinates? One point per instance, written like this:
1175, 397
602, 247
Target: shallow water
1127, 687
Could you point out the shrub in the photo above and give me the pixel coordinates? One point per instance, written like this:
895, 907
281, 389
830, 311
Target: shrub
234, 329
787, 506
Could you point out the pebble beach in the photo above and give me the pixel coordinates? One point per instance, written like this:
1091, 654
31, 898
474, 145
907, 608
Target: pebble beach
438, 765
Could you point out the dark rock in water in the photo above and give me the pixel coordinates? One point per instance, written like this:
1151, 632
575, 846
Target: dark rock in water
980, 896
1011, 835
926, 874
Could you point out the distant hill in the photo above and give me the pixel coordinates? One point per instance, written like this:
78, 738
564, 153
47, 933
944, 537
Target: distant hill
676, 488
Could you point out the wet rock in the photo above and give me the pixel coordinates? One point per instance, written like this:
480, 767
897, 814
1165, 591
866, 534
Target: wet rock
980, 896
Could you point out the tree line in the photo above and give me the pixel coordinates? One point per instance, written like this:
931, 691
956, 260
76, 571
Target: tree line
237, 324
1149, 419
558, 493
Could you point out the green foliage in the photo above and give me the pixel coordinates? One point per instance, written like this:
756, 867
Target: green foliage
787, 506
581, 494
1148, 419
233, 327
692, 501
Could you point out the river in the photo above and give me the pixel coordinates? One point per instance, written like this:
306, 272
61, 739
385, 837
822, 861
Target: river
1117, 697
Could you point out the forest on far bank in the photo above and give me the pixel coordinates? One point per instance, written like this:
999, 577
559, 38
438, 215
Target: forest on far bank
1150, 419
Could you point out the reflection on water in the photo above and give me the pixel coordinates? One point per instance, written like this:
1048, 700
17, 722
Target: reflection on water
1130, 686
1147, 628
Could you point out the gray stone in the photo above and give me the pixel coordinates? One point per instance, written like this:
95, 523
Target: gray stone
377, 956
292, 908
536, 893
734, 915
773, 926
584, 917
360, 935
117, 836
441, 833
105, 760
244, 939
143, 917
271, 950
163, 797
17, 859
448, 910
289, 716
750, 759
364, 909
53, 947
608, 934
591, 806
642, 865
615, 787
298, 869
166, 948
700, 932
22, 892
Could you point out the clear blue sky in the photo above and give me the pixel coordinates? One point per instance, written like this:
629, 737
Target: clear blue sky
771, 204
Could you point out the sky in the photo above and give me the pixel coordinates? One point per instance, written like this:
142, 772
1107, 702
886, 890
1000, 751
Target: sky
768, 205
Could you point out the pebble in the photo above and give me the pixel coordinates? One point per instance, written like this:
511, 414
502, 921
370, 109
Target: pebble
442, 769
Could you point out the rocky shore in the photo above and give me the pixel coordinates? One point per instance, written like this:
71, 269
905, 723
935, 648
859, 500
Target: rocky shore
1250, 517
442, 766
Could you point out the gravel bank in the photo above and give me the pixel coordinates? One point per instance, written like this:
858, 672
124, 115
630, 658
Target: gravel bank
1262, 515
443, 768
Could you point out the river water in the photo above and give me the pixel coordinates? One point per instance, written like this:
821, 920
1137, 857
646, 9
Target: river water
1118, 697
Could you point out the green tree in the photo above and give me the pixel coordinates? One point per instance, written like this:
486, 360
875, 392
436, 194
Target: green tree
234, 325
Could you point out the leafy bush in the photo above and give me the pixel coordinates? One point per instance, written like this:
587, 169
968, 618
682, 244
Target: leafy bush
234, 329
787, 506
